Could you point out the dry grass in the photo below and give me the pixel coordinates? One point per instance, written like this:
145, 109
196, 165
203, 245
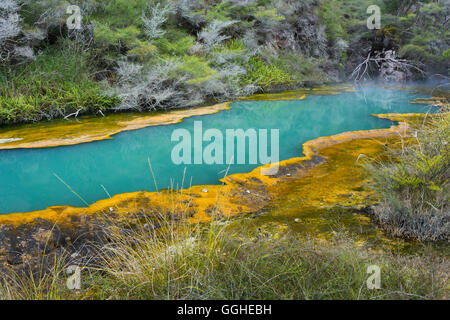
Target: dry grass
37, 284
179, 260
185, 261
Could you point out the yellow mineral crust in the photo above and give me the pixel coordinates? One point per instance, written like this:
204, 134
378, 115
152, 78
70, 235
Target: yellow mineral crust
64, 133
87, 129
300, 94
434, 101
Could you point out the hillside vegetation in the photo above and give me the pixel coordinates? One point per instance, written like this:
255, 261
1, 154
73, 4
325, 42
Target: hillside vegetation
149, 55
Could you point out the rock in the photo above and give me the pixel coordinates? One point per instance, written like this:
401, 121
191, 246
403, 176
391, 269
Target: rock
14, 259
389, 69
42, 235
37, 245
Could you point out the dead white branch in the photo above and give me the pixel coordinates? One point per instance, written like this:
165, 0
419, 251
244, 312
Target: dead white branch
73, 114
389, 66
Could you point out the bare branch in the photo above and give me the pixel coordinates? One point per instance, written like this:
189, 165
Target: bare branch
388, 65
73, 114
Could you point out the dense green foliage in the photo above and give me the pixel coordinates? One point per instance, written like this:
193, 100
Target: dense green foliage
153, 54
421, 29
54, 85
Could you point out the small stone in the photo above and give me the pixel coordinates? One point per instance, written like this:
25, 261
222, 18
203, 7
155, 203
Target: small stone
205, 190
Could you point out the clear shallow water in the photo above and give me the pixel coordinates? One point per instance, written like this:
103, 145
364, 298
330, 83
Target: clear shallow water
27, 180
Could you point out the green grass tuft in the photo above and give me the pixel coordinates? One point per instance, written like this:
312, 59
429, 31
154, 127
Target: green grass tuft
54, 85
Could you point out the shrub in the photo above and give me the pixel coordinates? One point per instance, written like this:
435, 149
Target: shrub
107, 36
300, 68
266, 75
54, 85
143, 51
154, 18
414, 184
446, 54
158, 87
415, 52
120, 13
195, 69
332, 21
213, 35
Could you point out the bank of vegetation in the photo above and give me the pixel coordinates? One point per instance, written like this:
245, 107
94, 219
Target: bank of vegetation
413, 181
182, 261
149, 55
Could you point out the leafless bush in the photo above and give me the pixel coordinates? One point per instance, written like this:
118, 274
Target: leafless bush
164, 86
24, 52
412, 222
387, 65
414, 184
185, 8
149, 89
212, 34
250, 40
154, 19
